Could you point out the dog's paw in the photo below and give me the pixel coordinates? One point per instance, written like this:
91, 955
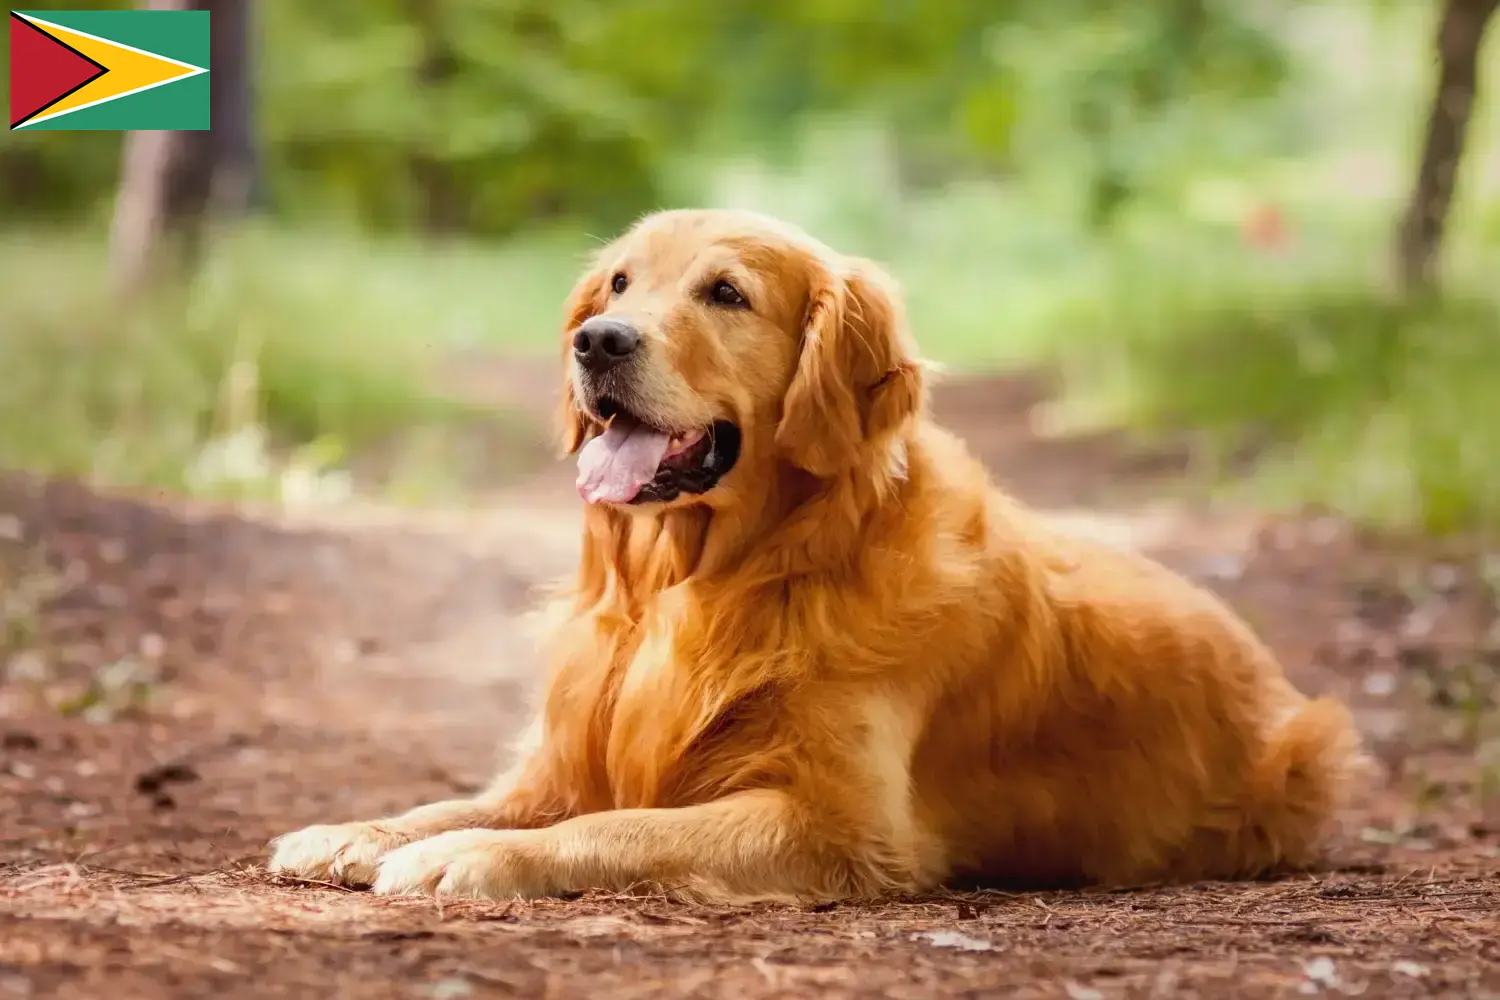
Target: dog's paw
467, 864
343, 853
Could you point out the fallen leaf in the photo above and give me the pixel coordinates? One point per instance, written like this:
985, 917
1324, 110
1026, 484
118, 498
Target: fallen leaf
1321, 974
153, 780
953, 939
17, 739
1412, 969
449, 989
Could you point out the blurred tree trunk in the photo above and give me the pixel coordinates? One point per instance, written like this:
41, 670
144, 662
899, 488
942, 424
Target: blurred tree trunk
173, 183
443, 209
1459, 37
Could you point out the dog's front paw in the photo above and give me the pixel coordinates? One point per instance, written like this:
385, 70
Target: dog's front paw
343, 853
471, 864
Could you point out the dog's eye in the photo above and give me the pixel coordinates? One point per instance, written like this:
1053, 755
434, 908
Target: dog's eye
619, 283
725, 294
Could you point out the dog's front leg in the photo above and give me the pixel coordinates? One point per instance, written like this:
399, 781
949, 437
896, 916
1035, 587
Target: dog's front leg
347, 853
752, 845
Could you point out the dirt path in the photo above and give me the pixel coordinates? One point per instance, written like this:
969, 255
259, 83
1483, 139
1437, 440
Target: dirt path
263, 673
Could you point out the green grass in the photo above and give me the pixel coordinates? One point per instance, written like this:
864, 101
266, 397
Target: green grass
1375, 405
444, 295
283, 350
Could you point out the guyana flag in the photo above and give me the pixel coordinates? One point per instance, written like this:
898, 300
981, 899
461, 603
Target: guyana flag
109, 70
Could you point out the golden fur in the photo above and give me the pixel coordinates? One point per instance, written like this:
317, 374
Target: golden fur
854, 667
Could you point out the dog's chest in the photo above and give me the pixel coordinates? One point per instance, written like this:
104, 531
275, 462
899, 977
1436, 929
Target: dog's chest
647, 727
668, 706
668, 715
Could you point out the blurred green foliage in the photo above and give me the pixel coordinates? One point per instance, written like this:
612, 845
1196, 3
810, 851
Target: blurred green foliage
483, 117
1352, 396
132, 396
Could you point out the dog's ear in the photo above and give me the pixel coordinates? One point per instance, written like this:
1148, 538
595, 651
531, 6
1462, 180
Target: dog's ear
588, 298
857, 379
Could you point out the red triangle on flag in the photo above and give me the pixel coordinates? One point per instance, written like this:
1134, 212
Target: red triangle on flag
43, 70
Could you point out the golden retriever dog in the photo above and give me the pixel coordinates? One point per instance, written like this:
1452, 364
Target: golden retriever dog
812, 653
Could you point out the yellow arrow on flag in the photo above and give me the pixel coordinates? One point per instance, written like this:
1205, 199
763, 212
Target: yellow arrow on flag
130, 70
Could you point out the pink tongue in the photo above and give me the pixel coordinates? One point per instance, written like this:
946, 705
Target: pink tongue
615, 465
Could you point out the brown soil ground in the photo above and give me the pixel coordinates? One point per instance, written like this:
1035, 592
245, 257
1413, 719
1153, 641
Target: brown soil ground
189, 682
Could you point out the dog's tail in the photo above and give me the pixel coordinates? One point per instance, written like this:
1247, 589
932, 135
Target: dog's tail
1306, 774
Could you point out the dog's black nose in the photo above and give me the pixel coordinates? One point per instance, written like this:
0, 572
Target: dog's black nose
600, 344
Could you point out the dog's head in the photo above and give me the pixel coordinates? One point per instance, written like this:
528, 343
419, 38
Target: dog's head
705, 347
